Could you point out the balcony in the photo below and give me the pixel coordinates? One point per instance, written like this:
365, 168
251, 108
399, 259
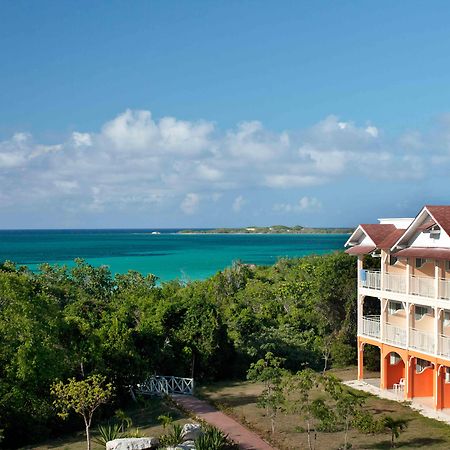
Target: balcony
444, 346
422, 341
371, 326
395, 335
419, 286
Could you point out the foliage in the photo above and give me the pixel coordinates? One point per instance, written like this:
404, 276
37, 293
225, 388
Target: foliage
64, 322
173, 437
83, 397
395, 427
107, 433
270, 372
364, 422
213, 439
165, 420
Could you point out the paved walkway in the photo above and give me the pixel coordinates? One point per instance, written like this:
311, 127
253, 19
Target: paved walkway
246, 439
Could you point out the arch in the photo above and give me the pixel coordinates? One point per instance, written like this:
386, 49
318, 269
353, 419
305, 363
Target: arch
394, 369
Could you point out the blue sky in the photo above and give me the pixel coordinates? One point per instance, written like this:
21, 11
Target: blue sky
166, 114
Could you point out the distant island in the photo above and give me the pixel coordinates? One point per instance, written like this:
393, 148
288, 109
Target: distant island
274, 229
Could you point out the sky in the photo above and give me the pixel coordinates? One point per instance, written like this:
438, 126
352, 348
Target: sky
153, 114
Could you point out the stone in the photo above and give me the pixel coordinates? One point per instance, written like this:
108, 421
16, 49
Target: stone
187, 445
191, 431
133, 444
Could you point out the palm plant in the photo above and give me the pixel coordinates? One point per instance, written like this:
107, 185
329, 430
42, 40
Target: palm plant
173, 437
107, 433
395, 426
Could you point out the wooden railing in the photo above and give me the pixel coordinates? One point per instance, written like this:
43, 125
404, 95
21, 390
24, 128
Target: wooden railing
395, 335
164, 385
421, 341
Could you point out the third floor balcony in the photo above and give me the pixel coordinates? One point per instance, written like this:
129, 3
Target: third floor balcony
399, 283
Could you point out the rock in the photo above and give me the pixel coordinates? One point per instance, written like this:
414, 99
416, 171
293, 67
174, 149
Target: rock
133, 444
191, 431
187, 445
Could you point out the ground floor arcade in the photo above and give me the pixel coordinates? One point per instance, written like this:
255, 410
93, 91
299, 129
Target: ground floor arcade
411, 374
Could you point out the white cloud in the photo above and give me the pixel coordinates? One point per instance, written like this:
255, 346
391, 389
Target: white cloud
304, 204
136, 161
238, 203
190, 203
81, 139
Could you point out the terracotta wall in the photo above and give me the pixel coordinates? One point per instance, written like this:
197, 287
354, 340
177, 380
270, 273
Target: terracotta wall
423, 383
445, 391
394, 373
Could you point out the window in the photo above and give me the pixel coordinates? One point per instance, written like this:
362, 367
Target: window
394, 359
392, 260
447, 374
446, 321
420, 311
421, 365
393, 307
420, 262
447, 265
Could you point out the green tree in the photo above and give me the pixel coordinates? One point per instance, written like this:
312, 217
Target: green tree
270, 372
395, 427
83, 397
298, 390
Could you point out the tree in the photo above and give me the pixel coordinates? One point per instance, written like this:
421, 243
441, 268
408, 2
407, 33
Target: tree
83, 397
395, 426
270, 372
298, 395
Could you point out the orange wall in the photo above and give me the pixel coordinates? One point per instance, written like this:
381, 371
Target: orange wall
394, 373
423, 383
445, 392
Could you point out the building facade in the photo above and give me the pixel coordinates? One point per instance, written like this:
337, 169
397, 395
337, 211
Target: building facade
404, 302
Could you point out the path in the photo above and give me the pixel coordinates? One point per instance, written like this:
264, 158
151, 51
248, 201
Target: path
246, 439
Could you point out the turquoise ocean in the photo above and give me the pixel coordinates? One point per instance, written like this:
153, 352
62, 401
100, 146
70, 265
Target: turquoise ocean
168, 255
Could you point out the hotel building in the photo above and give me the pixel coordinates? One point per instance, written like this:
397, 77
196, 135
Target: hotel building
404, 302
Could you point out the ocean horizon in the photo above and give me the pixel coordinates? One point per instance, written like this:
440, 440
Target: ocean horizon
166, 254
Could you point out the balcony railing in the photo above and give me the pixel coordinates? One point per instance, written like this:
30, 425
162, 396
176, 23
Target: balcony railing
395, 335
371, 279
420, 286
444, 346
421, 341
371, 326
395, 283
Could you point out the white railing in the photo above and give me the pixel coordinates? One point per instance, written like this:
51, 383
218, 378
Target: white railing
444, 289
371, 279
395, 335
422, 286
159, 385
371, 326
395, 283
444, 345
421, 340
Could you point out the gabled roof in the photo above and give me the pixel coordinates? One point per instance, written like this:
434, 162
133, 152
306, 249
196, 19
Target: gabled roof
441, 214
391, 238
377, 231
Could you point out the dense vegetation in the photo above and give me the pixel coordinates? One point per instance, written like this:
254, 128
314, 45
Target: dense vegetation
274, 229
73, 322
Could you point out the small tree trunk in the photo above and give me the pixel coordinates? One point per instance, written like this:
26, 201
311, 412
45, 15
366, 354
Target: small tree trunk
87, 422
392, 440
309, 435
272, 423
346, 434
88, 438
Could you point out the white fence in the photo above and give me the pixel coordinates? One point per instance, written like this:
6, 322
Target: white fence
421, 341
371, 279
371, 326
395, 335
422, 286
162, 385
444, 346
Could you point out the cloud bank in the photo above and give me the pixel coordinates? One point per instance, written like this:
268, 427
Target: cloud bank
137, 162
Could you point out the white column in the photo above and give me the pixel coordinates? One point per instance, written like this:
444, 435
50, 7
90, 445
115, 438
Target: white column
383, 303
408, 322
436, 278
408, 275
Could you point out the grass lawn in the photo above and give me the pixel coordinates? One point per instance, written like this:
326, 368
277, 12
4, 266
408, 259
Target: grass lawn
144, 417
238, 399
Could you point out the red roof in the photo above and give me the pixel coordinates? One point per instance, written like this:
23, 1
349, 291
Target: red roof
378, 232
424, 252
391, 238
360, 250
441, 215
